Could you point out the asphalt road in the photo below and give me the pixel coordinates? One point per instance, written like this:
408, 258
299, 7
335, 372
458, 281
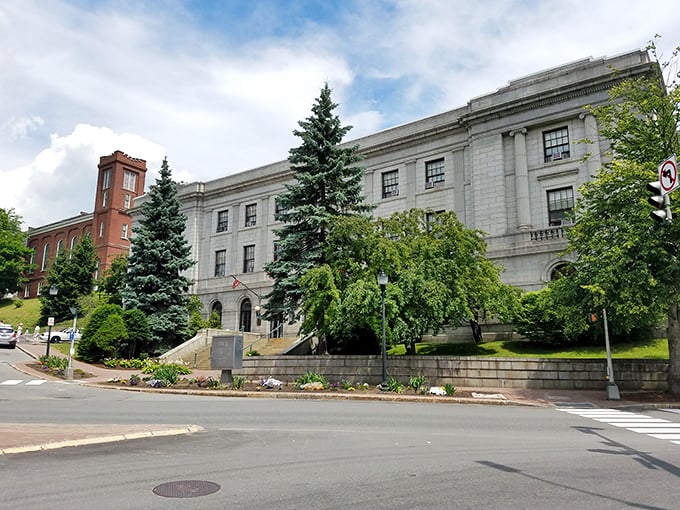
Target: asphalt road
314, 454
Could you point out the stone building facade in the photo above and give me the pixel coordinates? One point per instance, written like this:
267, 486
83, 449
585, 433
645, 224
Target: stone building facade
120, 180
508, 163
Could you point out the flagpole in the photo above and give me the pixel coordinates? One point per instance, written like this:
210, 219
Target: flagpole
258, 309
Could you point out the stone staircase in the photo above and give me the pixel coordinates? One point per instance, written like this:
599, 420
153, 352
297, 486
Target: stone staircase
196, 351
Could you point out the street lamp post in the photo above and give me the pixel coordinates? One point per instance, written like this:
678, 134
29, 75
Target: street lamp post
71, 352
50, 320
382, 281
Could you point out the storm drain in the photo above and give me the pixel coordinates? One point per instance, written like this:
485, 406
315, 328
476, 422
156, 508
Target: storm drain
185, 489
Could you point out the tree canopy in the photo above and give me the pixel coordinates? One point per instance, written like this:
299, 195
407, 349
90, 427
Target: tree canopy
159, 255
73, 276
625, 261
327, 185
438, 276
14, 253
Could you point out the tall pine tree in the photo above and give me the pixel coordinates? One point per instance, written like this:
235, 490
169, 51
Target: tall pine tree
159, 254
327, 185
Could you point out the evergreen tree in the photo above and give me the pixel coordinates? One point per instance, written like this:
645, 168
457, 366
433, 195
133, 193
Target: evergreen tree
159, 255
73, 276
327, 186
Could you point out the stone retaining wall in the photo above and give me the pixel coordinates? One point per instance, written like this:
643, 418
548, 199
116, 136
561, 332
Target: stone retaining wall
466, 371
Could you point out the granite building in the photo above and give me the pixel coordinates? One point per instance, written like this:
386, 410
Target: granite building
508, 163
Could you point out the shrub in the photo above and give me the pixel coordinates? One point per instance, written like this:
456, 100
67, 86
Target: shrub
54, 362
395, 386
167, 373
237, 382
88, 348
139, 334
311, 377
449, 389
416, 382
253, 353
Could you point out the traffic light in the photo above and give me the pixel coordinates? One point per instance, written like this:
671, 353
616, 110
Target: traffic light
660, 201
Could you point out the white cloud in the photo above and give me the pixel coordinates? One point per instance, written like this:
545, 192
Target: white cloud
80, 80
59, 183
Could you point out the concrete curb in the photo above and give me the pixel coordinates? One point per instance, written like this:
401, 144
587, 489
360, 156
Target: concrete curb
111, 438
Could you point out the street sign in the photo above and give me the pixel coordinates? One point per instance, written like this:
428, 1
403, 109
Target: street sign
50, 321
668, 175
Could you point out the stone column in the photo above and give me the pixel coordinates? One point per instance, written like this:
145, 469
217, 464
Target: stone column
522, 179
593, 162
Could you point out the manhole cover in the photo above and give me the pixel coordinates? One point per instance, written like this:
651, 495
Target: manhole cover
185, 489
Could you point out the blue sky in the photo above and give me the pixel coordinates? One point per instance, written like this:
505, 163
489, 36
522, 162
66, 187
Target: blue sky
219, 86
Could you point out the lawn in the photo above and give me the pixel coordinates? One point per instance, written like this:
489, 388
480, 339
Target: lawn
651, 349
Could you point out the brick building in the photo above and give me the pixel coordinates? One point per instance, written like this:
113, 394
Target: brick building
120, 180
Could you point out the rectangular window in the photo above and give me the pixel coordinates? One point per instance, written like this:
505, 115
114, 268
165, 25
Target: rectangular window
251, 215
130, 180
101, 229
249, 258
222, 221
556, 144
390, 183
434, 173
431, 218
277, 250
46, 251
106, 179
221, 263
560, 205
128, 200
105, 198
124, 233
278, 208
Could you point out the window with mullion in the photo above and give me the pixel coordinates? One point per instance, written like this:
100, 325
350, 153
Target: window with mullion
251, 215
434, 171
390, 183
560, 205
249, 258
556, 144
221, 263
222, 221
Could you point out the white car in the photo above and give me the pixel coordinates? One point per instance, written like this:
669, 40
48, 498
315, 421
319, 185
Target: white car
63, 335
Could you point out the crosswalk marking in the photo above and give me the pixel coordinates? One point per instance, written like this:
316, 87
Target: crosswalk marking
657, 428
15, 382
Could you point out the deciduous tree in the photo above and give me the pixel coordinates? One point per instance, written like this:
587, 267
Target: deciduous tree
14, 253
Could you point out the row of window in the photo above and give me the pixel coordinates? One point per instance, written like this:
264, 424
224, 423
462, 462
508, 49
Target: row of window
129, 180
126, 205
46, 251
248, 260
250, 216
560, 206
434, 175
555, 148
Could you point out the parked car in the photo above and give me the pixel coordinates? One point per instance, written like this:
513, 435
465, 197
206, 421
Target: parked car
63, 335
8, 336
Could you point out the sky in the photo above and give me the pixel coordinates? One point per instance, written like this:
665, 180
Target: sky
219, 86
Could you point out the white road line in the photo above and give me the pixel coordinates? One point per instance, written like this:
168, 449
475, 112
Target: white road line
639, 423
15, 382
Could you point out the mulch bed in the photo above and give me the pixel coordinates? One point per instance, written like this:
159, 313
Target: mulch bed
57, 372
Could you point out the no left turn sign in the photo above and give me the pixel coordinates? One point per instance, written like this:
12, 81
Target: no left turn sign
668, 175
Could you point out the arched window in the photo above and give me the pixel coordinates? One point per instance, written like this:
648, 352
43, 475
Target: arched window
560, 270
217, 308
245, 315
